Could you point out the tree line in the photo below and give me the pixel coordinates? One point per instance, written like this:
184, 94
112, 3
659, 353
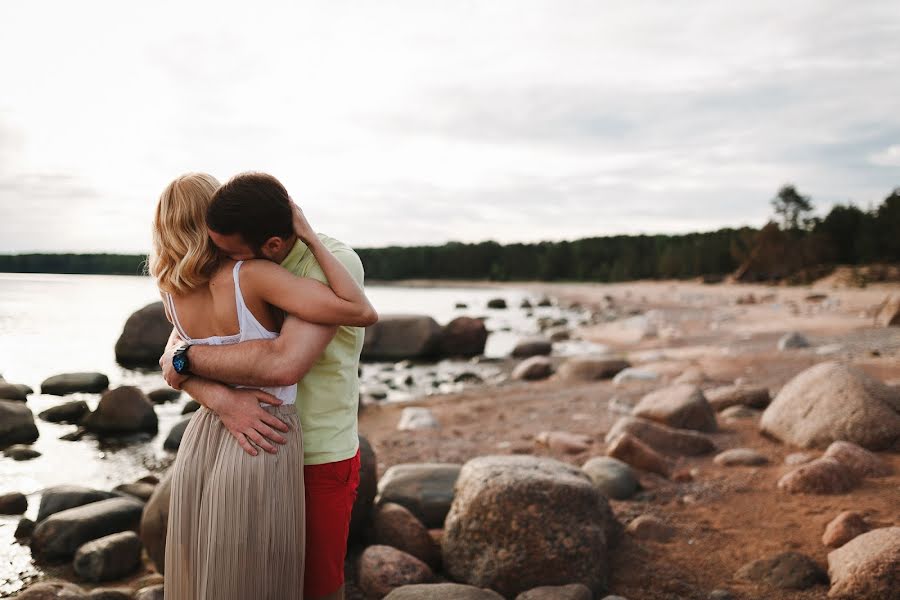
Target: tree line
794, 243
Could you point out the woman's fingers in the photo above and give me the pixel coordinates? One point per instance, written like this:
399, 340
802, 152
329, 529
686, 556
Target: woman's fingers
246, 445
275, 422
271, 434
260, 441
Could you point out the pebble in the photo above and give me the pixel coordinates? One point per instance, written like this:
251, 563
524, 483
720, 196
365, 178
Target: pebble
648, 527
634, 452
417, 417
740, 457
846, 526
13, 503
787, 571
21, 452
564, 441
612, 477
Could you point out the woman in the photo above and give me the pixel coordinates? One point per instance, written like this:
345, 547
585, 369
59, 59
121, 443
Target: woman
236, 522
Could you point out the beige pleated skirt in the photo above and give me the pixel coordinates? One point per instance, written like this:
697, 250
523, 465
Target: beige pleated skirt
236, 522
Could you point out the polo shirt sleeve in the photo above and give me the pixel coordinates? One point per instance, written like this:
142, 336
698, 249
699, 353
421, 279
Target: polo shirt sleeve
348, 258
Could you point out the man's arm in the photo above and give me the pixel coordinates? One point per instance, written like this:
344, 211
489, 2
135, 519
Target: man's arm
284, 360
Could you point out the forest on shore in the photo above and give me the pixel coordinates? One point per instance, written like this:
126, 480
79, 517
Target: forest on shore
793, 246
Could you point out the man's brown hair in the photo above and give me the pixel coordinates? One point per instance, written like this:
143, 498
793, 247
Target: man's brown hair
254, 205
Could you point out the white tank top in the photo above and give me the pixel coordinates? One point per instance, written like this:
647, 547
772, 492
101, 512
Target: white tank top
250, 329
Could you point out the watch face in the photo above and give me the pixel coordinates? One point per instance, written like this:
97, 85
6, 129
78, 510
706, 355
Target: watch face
178, 363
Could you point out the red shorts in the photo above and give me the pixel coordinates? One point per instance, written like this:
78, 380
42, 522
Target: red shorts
330, 494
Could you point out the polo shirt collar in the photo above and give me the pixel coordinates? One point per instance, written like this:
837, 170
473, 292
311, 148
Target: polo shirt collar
292, 260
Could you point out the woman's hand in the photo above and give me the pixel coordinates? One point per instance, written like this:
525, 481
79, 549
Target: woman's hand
302, 227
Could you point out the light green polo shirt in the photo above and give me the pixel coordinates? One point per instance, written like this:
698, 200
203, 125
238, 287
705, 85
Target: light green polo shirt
328, 396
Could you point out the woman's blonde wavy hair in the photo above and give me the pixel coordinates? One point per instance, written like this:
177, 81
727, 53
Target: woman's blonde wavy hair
183, 256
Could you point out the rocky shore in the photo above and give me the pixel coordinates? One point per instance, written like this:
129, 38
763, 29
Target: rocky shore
717, 442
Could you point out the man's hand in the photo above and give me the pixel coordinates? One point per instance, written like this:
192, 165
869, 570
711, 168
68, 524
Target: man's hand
172, 377
239, 411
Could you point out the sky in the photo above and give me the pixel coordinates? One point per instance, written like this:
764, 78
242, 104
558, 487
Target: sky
424, 121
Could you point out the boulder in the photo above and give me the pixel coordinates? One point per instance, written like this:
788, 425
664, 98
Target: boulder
532, 346
144, 337
519, 522
190, 406
105, 593
889, 313
383, 569
63, 497
575, 591
791, 341
154, 521
751, 396
123, 410
463, 336
740, 457
636, 453
590, 368
821, 476
425, 489
399, 337
612, 477
830, 402
173, 440
140, 490
110, 557
73, 383
867, 567
670, 441
787, 571
442, 591
367, 489
393, 525
163, 395
682, 406
13, 503
53, 590
533, 369
61, 534
496, 303
67, 412
21, 452
862, 462
16, 424
417, 417
11, 391
24, 528
648, 527
843, 528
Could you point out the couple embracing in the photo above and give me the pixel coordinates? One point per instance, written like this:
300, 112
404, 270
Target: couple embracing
268, 323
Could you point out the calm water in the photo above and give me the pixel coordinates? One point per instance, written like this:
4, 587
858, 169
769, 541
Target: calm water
52, 324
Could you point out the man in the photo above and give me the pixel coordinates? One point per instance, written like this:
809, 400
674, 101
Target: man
251, 217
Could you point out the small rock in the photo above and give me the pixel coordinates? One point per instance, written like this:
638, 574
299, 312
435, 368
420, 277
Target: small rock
107, 558
575, 591
563, 441
612, 477
13, 503
721, 398
140, 490
664, 439
190, 406
634, 452
721, 595
11, 391
867, 567
24, 528
888, 314
798, 458
648, 527
21, 452
794, 340
533, 369
496, 303
680, 406
123, 410
120, 593
735, 413
591, 368
153, 592
821, 476
692, 376
61, 534
843, 528
862, 462
425, 489
463, 336
468, 377
442, 591
63, 497
787, 571
383, 569
173, 440
740, 457
560, 334
634, 374
163, 395
393, 525
74, 436
72, 383
53, 590
16, 424
532, 346
417, 417
68, 412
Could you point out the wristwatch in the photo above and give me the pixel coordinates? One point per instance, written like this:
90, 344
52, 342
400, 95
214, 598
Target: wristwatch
180, 360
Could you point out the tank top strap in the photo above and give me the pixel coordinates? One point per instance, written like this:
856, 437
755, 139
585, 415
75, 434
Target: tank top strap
171, 303
242, 309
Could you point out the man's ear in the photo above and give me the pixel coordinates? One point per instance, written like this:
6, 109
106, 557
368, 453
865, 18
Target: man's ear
273, 245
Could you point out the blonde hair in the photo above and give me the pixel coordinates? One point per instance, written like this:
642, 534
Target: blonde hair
183, 256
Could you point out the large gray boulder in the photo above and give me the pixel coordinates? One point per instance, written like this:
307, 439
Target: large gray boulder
463, 336
399, 337
144, 337
16, 424
425, 489
442, 591
63, 497
123, 410
60, 535
867, 567
154, 521
107, 558
682, 406
73, 383
519, 522
830, 402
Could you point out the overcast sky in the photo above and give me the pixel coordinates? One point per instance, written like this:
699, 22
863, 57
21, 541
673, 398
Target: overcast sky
424, 121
